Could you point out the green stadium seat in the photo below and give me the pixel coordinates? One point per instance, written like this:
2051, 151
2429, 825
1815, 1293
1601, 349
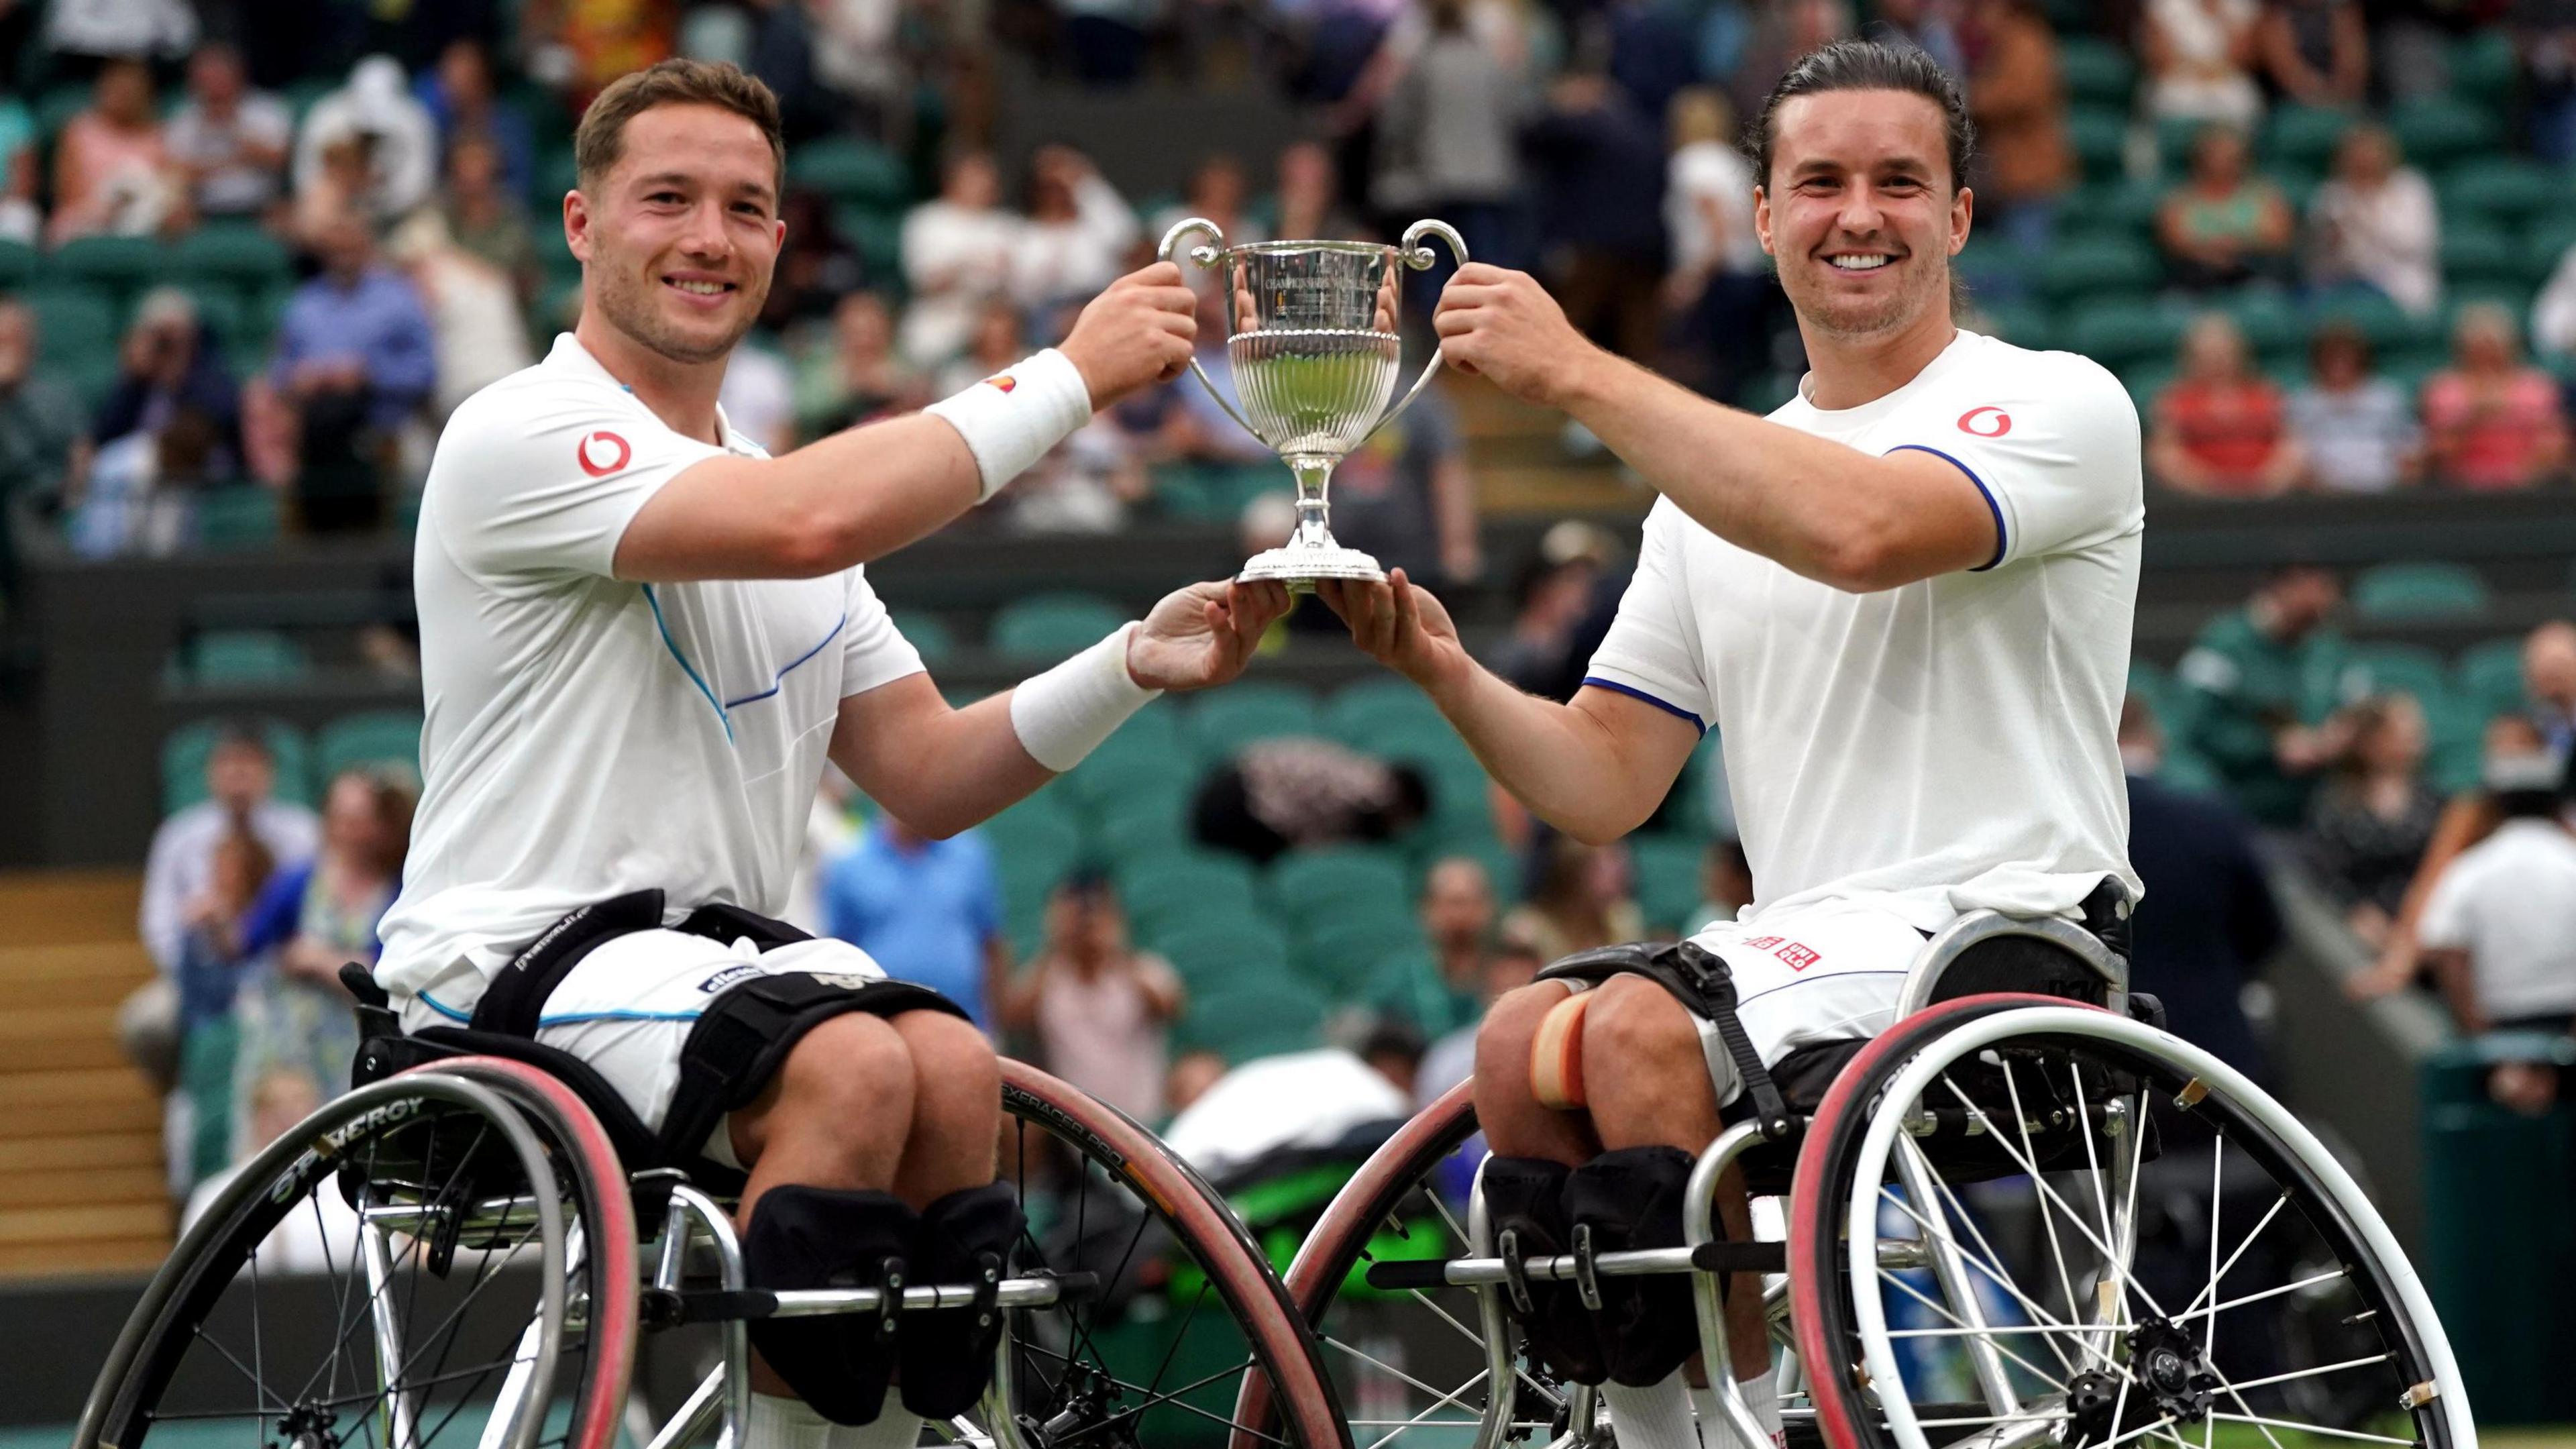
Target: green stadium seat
1344, 958
2546, 242
2304, 138
2100, 137
370, 739
2386, 325
1144, 820
1046, 628
554, 174
74, 323
2405, 592
876, 233
1349, 880
2386, 668
2505, 189
1244, 1022
225, 316
2272, 326
2174, 138
2484, 69
118, 263
235, 252
55, 109
1666, 869
19, 264
847, 170
1242, 951
241, 517
1226, 720
2121, 331
2147, 382
2408, 367
2098, 267
2150, 683
1195, 882
2188, 771
2476, 252
2434, 131
927, 633
2019, 323
240, 656
2122, 205
1364, 715
2513, 295
2096, 72
1767, 393
2490, 677
183, 762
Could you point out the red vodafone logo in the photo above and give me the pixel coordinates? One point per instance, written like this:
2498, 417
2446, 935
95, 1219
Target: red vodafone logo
1985, 422
602, 453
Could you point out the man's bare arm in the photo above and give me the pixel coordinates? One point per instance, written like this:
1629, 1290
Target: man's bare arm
939, 770
1594, 769
1824, 509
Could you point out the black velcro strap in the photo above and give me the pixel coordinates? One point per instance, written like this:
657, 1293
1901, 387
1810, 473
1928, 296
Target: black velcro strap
743, 1035
517, 994
730, 923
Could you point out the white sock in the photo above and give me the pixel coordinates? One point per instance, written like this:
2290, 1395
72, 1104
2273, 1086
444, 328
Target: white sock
1652, 1418
896, 1428
778, 1422
1761, 1395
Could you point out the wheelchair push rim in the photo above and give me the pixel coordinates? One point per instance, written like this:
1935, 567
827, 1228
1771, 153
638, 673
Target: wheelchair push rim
2080, 1346
417, 1268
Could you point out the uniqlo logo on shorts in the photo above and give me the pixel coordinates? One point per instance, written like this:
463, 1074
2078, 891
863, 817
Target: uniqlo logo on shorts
1799, 957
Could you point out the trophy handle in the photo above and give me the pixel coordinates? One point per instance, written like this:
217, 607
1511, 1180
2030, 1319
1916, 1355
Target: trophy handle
1417, 256
1206, 256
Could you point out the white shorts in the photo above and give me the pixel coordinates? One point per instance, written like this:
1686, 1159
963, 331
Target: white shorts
1827, 972
629, 1006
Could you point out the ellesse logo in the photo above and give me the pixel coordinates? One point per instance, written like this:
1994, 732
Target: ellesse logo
602, 453
1985, 422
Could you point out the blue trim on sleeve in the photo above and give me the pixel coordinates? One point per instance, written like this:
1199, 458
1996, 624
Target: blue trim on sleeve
575, 1017
443, 1009
1989, 494
790, 666
1592, 681
685, 667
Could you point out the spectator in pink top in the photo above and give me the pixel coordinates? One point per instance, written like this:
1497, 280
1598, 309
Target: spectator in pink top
2491, 422
111, 169
1098, 1006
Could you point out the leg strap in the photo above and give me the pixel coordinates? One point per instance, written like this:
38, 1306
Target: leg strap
1624, 1201
747, 1031
966, 1237
1556, 1054
821, 1237
1525, 1201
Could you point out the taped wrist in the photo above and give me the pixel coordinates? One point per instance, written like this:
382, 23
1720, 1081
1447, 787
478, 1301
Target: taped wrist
1525, 1201
1064, 714
947, 1356
1632, 1199
822, 1237
1011, 419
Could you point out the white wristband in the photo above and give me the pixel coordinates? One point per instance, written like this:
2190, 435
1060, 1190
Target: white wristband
1064, 714
1011, 419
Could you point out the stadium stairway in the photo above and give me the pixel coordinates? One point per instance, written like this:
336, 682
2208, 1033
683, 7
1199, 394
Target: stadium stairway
81, 1178
1520, 462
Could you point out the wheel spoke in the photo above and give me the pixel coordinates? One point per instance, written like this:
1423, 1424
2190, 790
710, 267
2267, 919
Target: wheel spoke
1910, 1291
1998, 1279
1478, 1339
2041, 1183
2216, 1309
2221, 1272
2047, 1221
2312, 1373
1423, 1417
1382, 1366
2298, 1428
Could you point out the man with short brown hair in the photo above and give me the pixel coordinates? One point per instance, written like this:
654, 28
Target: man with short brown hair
641, 638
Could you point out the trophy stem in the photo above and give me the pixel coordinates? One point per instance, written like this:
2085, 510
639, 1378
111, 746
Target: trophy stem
1314, 477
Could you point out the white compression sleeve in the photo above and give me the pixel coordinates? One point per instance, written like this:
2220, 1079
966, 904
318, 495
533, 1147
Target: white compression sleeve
1011, 419
896, 1428
1761, 1395
777, 1422
1064, 714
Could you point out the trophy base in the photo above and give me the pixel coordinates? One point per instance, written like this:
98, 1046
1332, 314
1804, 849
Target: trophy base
1300, 567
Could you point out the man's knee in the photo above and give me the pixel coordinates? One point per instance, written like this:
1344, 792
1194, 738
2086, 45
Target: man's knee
1503, 1042
851, 1067
1635, 1030
951, 1059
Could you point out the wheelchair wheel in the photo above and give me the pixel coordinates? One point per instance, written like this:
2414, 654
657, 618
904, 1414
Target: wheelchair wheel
1186, 1313
2094, 1233
443, 1257
1412, 1364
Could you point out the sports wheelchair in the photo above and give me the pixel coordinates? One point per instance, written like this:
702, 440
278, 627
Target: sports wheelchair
2022, 1215
470, 1250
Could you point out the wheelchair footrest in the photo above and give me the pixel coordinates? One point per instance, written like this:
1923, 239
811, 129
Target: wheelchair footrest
665, 1308
1485, 1272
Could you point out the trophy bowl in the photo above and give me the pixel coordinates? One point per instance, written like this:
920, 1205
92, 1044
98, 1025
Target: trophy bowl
1315, 347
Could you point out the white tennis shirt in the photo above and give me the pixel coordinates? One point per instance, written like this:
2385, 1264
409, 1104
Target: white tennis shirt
1944, 746
588, 736
2510, 902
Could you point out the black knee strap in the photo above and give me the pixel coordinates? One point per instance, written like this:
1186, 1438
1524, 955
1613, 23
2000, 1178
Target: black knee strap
1701, 981
739, 1040
820, 1237
1624, 1201
1525, 1202
947, 1357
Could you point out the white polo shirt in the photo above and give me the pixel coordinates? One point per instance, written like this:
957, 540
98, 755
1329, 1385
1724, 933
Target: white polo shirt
588, 736
1950, 744
2509, 901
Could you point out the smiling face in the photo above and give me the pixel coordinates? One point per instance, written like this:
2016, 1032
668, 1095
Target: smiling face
1860, 212
679, 237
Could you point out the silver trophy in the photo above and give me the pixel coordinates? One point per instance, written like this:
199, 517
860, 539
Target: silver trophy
1314, 346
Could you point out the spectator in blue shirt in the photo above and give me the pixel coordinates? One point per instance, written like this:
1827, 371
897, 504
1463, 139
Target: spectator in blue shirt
929, 911
462, 100
355, 355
